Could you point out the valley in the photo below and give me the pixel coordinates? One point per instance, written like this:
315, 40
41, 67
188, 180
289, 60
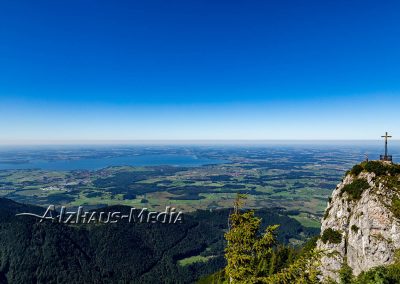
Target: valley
297, 178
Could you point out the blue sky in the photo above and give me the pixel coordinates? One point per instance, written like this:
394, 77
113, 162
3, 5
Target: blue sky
77, 70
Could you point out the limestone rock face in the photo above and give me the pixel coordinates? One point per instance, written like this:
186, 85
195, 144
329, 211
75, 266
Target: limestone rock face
370, 232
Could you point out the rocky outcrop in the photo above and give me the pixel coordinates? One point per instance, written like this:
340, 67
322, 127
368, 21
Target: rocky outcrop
361, 225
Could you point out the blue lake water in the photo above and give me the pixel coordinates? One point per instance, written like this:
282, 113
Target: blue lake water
99, 163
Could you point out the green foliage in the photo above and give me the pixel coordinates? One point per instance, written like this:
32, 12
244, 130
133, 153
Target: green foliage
395, 207
380, 168
380, 275
332, 236
326, 214
115, 253
392, 182
345, 273
252, 258
33, 252
285, 267
280, 258
246, 248
218, 277
356, 170
394, 169
376, 167
309, 246
302, 271
354, 228
355, 189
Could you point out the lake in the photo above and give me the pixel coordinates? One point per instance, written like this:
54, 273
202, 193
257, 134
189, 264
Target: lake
99, 163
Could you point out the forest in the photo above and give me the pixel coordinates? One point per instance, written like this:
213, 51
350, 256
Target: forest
34, 252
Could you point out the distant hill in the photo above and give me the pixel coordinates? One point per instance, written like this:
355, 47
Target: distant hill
33, 252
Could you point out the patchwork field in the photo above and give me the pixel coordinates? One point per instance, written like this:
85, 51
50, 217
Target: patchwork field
294, 178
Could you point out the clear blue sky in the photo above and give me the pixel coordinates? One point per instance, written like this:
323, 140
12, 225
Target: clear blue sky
199, 69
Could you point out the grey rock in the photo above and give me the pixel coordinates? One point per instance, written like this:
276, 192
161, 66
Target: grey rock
370, 231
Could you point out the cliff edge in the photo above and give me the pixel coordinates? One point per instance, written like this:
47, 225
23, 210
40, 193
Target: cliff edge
361, 225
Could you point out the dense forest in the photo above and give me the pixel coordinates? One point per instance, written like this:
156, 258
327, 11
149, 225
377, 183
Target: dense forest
34, 252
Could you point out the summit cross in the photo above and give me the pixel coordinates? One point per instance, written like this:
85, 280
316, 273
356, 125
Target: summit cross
386, 157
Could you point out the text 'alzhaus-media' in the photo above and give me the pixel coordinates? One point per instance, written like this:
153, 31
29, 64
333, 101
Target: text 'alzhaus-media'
169, 216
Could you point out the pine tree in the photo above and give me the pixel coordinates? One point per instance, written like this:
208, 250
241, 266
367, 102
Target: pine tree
251, 257
246, 248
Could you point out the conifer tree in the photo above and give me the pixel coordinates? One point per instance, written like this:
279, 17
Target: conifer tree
246, 248
251, 257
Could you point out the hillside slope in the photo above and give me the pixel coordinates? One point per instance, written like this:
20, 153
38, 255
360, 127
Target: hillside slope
33, 252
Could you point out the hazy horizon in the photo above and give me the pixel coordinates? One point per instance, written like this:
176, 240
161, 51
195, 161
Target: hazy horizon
191, 142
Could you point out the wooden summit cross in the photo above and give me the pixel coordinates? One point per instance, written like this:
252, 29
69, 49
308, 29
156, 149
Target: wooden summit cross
386, 157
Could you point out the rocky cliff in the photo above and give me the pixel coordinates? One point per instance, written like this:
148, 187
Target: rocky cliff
361, 226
